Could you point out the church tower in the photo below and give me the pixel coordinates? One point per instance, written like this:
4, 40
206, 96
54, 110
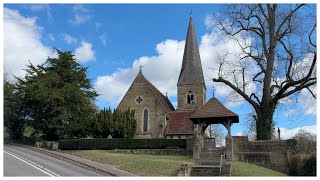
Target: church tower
191, 84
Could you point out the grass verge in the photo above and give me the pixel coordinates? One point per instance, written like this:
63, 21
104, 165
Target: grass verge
247, 169
139, 164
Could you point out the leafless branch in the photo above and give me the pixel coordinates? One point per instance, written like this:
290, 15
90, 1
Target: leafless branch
245, 96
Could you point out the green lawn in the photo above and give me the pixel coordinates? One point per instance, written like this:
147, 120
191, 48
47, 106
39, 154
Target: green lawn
139, 164
157, 165
247, 169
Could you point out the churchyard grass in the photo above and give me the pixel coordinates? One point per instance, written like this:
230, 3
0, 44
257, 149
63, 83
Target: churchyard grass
162, 165
139, 164
247, 169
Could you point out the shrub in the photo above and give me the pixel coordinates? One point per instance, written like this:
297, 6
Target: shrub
108, 144
296, 163
309, 167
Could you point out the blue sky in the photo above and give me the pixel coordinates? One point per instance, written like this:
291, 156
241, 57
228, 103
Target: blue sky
113, 40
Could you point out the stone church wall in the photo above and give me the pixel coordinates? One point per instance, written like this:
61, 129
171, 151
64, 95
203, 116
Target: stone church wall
150, 102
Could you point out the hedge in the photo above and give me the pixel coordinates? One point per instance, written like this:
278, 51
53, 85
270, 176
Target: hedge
109, 144
22, 140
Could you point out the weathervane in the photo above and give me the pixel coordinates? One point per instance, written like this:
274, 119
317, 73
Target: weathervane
191, 12
140, 67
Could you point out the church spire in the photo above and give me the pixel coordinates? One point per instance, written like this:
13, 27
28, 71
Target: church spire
191, 69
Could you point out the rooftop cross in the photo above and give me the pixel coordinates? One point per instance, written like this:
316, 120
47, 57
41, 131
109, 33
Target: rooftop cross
212, 91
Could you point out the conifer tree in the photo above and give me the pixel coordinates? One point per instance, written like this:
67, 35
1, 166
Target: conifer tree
58, 97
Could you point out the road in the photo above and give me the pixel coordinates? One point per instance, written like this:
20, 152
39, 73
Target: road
19, 161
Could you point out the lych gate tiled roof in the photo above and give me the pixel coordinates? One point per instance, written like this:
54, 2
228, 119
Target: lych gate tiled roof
165, 103
178, 123
191, 69
215, 110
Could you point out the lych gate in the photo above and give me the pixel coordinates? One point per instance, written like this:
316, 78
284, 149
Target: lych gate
213, 112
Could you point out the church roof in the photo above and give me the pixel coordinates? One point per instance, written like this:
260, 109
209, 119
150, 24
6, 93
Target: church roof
164, 101
215, 111
178, 123
191, 69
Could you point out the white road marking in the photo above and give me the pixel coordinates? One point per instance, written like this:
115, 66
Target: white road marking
33, 164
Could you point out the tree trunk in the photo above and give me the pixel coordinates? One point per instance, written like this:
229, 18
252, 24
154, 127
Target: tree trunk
264, 122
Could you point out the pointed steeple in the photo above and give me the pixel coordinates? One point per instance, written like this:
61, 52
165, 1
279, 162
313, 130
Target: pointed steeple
191, 69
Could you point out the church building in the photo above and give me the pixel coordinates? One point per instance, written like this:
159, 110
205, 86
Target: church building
155, 115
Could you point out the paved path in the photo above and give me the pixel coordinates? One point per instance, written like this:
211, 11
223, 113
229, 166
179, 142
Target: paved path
19, 161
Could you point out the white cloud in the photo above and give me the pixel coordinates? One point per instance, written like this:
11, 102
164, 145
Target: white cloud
289, 133
240, 134
81, 14
41, 7
169, 58
209, 21
51, 37
169, 55
69, 39
85, 53
307, 101
163, 69
22, 43
290, 112
103, 39
215, 48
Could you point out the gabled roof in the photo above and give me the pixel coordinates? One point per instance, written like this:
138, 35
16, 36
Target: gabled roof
215, 111
178, 123
191, 69
165, 103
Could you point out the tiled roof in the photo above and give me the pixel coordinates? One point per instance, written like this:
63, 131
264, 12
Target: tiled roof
215, 110
178, 122
166, 104
191, 69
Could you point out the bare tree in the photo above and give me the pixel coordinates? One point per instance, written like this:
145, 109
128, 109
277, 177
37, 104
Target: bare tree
306, 141
278, 55
216, 131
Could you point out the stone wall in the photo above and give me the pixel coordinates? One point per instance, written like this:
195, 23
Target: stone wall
200, 96
267, 153
156, 117
178, 136
153, 151
52, 145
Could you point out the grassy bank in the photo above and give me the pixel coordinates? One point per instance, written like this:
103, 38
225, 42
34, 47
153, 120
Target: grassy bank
247, 169
139, 164
158, 165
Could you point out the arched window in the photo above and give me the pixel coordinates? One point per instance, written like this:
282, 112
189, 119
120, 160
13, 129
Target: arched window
145, 120
190, 97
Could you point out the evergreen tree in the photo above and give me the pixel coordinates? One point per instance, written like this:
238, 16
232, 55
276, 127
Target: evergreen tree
118, 124
14, 116
58, 97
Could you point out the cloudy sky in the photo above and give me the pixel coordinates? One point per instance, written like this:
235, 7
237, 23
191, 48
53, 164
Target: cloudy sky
114, 40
